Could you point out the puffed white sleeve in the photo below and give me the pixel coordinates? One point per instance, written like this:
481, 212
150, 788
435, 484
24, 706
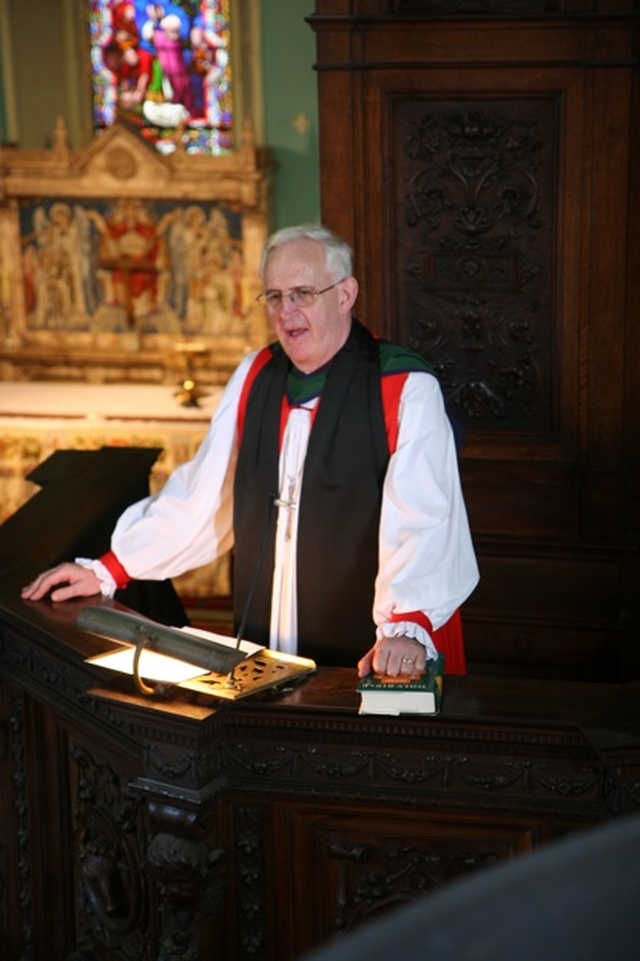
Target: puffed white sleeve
427, 562
190, 521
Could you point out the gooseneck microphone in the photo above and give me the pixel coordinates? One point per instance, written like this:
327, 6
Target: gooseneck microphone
273, 499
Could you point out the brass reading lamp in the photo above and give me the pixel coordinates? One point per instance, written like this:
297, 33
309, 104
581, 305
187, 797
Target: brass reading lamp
144, 633
219, 669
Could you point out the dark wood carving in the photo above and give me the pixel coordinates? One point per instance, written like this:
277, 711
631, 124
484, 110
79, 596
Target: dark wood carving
182, 829
251, 938
474, 268
108, 854
483, 161
189, 878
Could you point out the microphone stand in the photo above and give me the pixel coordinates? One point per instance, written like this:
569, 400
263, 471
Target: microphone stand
253, 585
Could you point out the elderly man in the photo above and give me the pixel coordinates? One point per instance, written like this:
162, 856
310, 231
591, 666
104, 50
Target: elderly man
330, 468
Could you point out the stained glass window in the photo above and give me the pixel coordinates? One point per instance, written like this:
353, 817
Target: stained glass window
166, 67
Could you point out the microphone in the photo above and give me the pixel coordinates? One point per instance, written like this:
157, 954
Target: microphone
273, 499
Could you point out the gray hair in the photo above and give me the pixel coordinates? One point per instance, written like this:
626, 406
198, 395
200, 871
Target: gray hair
338, 254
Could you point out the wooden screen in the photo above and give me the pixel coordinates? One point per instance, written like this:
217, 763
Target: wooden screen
486, 172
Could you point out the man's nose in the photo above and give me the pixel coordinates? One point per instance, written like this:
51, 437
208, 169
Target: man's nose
288, 306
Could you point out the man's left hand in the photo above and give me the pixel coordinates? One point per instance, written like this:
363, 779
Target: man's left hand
393, 656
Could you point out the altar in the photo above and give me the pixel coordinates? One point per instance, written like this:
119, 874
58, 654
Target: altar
39, 418
106, 270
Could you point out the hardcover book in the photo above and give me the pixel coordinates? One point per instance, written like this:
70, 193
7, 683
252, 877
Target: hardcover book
403, 694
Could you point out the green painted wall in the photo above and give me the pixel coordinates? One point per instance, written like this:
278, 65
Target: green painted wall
4, 126
290, 118
290, 105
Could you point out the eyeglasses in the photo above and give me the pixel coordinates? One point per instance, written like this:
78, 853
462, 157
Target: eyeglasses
299, 296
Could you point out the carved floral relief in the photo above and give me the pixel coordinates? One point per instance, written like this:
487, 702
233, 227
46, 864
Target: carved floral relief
476, 202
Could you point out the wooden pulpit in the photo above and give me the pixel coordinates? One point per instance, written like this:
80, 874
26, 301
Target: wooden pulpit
190, 828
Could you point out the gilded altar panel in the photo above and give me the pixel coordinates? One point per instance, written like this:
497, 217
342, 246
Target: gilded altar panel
118, 263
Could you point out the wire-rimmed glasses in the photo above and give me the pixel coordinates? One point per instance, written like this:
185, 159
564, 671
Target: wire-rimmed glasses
299, 296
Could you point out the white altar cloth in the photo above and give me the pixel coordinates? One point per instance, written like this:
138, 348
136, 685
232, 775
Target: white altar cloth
102, 402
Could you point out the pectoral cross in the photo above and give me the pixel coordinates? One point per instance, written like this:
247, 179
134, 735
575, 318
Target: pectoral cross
289, 505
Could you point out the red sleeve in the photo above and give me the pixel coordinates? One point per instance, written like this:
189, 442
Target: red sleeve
448, 640
115, 568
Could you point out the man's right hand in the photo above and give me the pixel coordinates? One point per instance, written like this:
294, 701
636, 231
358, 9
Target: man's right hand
78, 581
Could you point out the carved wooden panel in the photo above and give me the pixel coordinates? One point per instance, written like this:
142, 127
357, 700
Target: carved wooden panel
108, 852
476, 206
348, 871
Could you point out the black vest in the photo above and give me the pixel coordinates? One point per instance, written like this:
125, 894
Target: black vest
337, 557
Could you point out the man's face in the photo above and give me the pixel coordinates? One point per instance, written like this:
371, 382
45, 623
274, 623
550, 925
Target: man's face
310, 336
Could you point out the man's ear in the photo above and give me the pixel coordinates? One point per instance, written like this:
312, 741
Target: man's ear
348, 293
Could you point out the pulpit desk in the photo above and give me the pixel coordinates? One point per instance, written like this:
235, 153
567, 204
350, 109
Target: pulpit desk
188, 829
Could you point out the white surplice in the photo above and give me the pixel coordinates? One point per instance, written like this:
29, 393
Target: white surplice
426, 563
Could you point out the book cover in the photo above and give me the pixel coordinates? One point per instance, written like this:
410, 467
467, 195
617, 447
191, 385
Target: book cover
415, 694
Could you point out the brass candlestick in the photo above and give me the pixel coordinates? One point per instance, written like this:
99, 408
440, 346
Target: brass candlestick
189, 393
